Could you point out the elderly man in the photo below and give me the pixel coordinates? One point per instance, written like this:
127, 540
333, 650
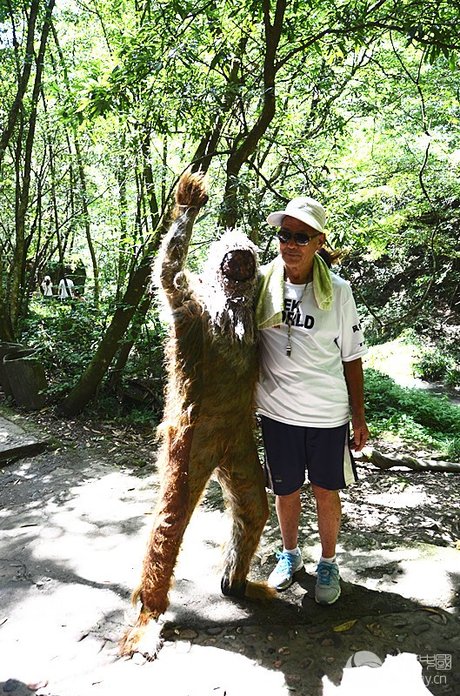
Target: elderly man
311, 376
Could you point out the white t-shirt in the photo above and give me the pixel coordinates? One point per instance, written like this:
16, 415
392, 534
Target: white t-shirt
308, 388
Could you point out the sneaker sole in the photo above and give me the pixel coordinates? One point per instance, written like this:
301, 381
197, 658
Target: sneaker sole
326, 604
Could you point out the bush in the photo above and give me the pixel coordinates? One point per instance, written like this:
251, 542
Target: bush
413, 414
68, 334
453, 450
434, 365
384, 396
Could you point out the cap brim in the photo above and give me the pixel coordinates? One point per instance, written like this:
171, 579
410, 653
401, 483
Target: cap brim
276, 218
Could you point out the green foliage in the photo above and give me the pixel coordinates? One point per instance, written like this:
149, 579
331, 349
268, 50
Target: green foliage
453, 450
384, 396
437, 365
67, 334
415, 416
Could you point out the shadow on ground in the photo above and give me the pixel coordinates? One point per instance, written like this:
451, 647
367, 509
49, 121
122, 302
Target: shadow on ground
306, 642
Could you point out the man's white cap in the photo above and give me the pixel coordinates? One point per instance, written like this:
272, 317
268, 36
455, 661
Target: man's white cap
303, 208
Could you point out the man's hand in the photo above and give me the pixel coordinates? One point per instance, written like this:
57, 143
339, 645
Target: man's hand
360, 433
353, 371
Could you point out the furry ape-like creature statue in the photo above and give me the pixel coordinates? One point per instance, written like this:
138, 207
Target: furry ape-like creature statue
208, 419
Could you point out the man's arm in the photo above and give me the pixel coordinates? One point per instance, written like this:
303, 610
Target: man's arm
353, 371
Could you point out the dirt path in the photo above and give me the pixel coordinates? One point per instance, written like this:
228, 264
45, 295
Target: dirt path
73, 523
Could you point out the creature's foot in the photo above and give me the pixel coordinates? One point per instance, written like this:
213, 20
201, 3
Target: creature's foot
259, 592
144, 638
235, 589
246, 589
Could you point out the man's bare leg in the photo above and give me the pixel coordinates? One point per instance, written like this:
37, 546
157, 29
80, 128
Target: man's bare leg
288, 511
329, 511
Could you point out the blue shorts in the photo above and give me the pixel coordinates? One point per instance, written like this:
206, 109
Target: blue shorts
290, 450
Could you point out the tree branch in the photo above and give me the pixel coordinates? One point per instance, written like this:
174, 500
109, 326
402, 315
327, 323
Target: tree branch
384, 462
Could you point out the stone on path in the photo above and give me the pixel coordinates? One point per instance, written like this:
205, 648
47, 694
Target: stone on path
15, 442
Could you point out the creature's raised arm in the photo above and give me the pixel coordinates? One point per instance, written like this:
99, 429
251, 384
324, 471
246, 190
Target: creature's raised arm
190, 197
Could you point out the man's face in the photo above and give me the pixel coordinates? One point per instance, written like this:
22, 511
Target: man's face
298, 257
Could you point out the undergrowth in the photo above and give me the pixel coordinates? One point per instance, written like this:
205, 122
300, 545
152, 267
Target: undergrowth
418, 418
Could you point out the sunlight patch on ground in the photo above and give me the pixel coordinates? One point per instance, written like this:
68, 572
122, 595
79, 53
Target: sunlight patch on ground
192, 670
210, 670
413, 572
86, 535
395, 359
411, 497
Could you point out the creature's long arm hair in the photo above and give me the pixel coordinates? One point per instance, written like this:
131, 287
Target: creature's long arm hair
190, 198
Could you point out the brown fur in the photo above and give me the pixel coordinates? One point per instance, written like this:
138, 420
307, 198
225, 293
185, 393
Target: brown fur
208, 419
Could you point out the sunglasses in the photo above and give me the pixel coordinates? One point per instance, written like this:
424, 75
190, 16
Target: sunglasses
301, 238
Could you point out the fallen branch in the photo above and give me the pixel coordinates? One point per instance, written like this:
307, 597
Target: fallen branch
382, 461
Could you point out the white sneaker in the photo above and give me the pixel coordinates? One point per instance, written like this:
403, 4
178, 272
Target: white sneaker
282, 576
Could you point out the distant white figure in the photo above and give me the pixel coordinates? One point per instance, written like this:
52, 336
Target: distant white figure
66, 288
47, 287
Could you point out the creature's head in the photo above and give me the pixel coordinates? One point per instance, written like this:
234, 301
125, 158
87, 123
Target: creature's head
232, 264
229, 283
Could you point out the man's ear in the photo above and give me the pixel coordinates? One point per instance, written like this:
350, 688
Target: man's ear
321, 240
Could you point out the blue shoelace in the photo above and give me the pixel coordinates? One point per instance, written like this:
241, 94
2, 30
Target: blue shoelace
326, 572
286, 561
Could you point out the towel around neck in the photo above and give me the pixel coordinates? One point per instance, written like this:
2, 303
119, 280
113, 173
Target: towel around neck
270, 302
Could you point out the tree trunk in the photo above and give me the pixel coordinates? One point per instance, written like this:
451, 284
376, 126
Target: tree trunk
6, 330
230, 214
123, 246
97, 368
23, 187
23, 80
15, 114
86, 217
82, 188
127, 346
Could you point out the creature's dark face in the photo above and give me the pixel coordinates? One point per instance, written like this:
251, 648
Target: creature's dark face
238, 265
229, 286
